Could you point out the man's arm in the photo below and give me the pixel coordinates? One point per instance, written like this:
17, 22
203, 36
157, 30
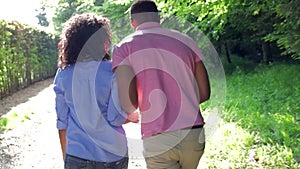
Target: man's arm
202, 81
127, 88
63, 141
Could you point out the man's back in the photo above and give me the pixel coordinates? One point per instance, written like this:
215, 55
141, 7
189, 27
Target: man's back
160, 71
164, 65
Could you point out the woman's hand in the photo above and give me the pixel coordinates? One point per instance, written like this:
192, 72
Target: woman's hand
133, 117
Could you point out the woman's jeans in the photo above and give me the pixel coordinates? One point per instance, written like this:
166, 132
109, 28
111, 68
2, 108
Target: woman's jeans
72, 162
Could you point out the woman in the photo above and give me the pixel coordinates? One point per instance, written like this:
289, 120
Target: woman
89, 118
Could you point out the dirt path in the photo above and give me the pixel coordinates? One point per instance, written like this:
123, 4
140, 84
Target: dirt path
34, 143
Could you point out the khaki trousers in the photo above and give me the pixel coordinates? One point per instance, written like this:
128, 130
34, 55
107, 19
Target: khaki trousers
180, 149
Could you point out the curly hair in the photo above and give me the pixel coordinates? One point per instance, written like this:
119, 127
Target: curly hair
76, 33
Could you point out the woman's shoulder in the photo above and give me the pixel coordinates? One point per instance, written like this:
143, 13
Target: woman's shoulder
66, 69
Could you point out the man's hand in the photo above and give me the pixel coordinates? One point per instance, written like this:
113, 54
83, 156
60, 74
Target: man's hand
133, 117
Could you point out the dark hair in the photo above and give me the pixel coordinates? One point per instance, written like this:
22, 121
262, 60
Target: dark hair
141, 6
76, 32
144, 11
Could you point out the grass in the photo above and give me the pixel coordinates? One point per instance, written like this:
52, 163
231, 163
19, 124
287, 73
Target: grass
15, 117
261, 119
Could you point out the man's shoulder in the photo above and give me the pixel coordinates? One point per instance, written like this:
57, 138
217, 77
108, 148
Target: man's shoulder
129, 39
180, 35
161, 31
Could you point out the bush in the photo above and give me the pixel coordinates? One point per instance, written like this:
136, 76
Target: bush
27, 55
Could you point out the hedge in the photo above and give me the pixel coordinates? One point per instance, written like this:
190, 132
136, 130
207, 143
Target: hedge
27, 55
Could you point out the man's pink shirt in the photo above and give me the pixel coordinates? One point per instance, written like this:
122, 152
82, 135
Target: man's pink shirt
164, 63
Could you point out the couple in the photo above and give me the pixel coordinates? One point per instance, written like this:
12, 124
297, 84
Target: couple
156, 71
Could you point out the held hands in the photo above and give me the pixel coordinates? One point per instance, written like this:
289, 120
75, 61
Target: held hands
133, 117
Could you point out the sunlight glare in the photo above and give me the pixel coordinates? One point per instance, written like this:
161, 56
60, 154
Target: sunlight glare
20, 10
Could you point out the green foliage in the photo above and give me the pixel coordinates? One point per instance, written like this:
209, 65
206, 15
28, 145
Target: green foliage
3, 123
114, 10
209, 16
14, 118
119, 17
261, 119
262, 28
43, 21
67, 8
248, 27
234, 147
264, 101
26, 117
26, 55
287, 31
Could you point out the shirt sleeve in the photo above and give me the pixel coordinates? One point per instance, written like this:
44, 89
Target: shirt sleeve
120, 56
115, 114
196, 50
61, 107
198, 57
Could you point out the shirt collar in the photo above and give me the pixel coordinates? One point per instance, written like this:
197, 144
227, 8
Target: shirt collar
148, 25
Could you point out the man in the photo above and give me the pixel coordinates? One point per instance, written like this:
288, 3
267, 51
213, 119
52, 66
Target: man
160, 72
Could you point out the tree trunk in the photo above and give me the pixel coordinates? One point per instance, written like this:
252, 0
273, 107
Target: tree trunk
227, 52
28, 75
225, 48
265, 52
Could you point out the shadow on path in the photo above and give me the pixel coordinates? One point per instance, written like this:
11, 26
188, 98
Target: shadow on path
23, 95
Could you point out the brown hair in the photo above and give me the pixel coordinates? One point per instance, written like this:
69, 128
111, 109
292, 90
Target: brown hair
77, 31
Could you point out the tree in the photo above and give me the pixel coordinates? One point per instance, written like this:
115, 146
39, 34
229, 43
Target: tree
287, 31
248, 27
258, 29
117, 12
66, 8
43, 21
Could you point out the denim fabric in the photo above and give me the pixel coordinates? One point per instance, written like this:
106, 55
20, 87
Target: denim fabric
72, 162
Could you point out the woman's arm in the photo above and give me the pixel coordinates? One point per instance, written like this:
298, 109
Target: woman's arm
63, 141
62, 111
